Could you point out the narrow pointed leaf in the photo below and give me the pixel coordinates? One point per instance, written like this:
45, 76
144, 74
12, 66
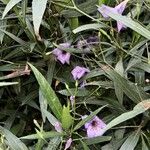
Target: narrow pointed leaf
15, 38
131, 141
44, 135
7, 83
48, 93
38, 9
129, 88
138, 109
13, 142
9, 6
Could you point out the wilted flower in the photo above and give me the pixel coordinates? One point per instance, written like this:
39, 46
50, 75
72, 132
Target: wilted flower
81, 44
95, 127
86, 43
117, 10
72, 100
78, 72
92, 39
82, 85
68, 143
62, 56
58, 127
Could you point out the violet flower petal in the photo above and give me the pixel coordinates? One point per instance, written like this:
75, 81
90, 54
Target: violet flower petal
62, 56
94, 131
121, 7
72, 100
87, 123
78, 72
117, 10
57, 52
120, 26
68, 143
103, 10
95, 127
58, 127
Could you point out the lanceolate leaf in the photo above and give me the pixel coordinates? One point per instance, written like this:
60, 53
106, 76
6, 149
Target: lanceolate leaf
43, 135
130, 89
7, 83
67, 119
20, 41
138, 109
131, 141
48, 93
9, 6
92, 26
38, 9
97, 140
13, 142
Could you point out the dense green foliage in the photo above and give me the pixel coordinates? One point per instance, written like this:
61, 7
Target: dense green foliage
36, 88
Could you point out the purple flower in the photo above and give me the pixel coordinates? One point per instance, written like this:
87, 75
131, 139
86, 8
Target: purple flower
62, 56
78, 72
58, 127
68, 143
117, 10
95, 127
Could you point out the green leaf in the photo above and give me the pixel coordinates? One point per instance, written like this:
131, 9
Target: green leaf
93, 26
129, 23
74, 22
80, 92
3, 25
54, 143
138, 109
38, 9
67, 119
82, 122
103, 84
50, 117
95, 73
84, 145
97, 140
44, 135
144, 145
118, 91
7, 83
129, 88
43, 105
131, 142
13, 142
48, 93
20, 41
87, 7
9, 6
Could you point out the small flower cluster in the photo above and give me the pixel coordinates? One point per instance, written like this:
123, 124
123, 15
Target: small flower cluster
95, 127
64, 57
77, 73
